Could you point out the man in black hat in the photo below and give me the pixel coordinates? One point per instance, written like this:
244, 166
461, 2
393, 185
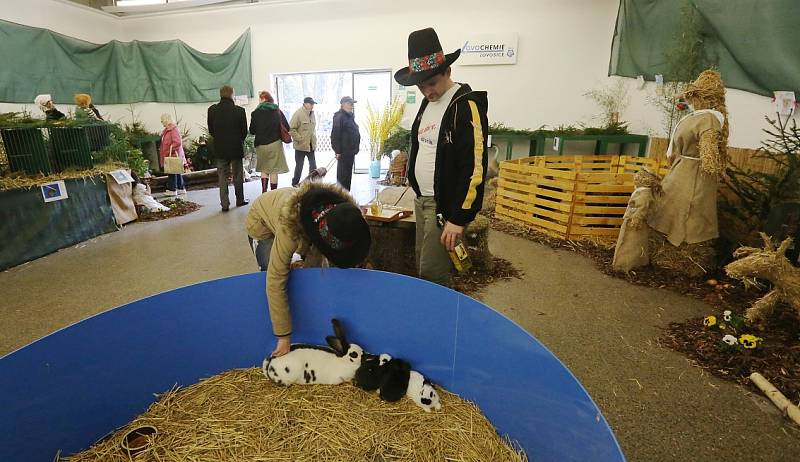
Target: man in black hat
447, 163
303, 128
345, 139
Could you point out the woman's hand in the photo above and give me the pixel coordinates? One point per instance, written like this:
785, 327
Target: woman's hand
282, 347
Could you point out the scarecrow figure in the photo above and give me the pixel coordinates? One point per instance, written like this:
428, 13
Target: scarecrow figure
685, 217
84, 109
632, 246
45, 103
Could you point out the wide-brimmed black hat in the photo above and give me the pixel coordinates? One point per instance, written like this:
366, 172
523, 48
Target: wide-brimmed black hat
425, 58
335, 226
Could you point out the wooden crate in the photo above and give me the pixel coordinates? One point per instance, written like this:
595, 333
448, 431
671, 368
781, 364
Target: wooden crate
571, 197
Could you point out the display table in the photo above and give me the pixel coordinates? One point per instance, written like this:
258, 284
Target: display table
392, 246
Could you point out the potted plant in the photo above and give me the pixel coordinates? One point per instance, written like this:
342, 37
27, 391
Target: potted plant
381, 124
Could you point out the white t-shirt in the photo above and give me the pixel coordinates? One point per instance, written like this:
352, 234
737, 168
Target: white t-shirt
428, 138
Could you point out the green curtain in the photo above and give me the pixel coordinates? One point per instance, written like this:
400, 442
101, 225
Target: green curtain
35, 61
754, 44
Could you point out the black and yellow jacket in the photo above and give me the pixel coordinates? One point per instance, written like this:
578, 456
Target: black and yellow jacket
460, 156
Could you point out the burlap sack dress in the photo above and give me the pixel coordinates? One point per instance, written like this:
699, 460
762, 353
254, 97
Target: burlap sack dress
632, 249
687, 211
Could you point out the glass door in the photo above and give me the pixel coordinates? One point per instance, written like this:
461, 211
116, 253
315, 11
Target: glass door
370, 88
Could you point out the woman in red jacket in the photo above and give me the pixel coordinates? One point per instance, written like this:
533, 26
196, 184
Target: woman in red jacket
172, 145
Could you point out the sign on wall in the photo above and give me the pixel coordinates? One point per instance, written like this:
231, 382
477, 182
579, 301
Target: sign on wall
489, 49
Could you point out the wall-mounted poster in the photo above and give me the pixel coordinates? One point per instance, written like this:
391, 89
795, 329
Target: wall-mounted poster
489, 49
784, 102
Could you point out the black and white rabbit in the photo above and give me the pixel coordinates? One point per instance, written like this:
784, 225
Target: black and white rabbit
395, 379
312, 364
421, 391
370, 373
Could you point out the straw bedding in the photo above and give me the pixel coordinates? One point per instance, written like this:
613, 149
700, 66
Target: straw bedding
241, 416
28, 182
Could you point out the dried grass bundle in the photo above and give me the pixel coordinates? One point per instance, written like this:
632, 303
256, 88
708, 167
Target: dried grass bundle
28, 182
693, 260
768, 263
240, 416
645, 178
476, 238
708, 92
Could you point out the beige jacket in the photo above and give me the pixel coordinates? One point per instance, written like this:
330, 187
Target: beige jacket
275, 214
303, 128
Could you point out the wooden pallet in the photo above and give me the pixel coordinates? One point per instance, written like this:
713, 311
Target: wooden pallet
571, 197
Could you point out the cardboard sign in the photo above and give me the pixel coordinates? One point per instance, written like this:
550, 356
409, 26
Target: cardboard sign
121, 176
54, 191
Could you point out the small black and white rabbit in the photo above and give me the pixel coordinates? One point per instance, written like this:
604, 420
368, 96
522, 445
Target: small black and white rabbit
394, 381
312, 364
370, 373
421, 391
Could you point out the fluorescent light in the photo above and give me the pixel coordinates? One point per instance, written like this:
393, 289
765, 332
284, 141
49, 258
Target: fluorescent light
139, 2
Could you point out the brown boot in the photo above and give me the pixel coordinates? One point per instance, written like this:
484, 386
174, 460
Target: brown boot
264, 184
273, 185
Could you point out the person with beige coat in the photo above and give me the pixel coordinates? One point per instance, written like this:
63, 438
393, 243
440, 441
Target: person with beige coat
320, 222
303, 128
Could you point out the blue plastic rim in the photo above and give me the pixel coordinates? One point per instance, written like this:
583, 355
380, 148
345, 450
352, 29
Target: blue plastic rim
67, 390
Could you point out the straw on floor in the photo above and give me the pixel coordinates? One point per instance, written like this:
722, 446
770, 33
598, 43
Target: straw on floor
240, 416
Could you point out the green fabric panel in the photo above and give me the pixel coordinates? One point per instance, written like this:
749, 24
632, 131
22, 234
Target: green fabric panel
36, 61
754, 44
31, 228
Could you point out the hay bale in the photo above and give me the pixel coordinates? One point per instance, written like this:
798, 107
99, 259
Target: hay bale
694, 260
476, 238
490, 195
397, 169
241, 416
392, 249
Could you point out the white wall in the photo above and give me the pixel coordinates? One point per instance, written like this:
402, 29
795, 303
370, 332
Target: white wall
563, 45
564, 48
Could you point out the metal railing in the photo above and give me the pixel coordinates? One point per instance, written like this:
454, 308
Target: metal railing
55, 149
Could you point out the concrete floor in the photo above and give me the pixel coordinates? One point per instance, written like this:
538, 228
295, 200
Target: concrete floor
604, 329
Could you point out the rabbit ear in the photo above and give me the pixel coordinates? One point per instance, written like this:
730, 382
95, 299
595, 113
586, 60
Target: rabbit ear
338, 330
337, 344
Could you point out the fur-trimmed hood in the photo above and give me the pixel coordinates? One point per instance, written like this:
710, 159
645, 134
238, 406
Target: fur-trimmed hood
290, 212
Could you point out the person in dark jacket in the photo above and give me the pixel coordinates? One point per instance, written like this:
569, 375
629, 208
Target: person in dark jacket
345, 139
265, 124
227, 125
447, 163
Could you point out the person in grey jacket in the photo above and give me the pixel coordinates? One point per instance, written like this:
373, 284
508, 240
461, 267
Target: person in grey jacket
303, 128
345, 139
